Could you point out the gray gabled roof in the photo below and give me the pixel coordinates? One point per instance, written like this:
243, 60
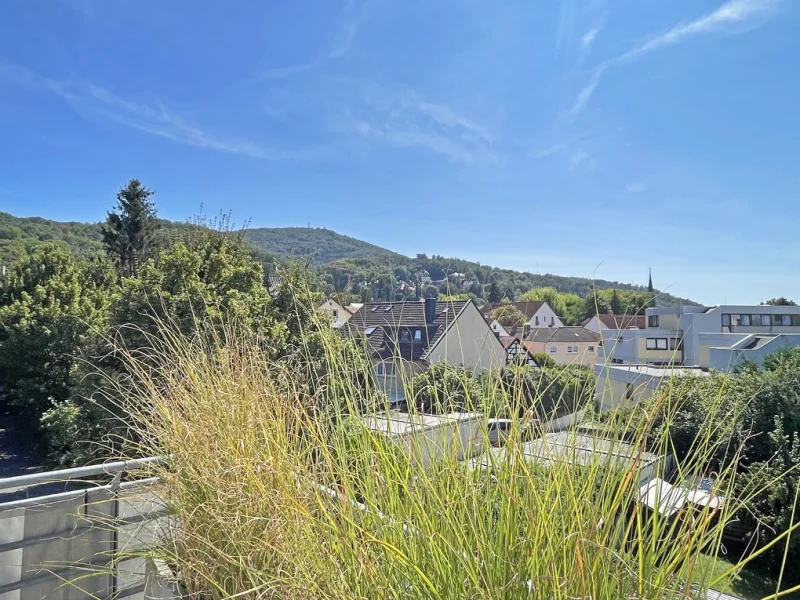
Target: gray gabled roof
561, 335
387, 318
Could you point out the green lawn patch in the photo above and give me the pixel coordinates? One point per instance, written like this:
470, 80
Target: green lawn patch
750, 583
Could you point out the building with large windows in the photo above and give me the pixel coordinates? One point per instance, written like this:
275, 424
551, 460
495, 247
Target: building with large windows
700, 338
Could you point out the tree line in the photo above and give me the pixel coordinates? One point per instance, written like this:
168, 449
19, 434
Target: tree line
64, 318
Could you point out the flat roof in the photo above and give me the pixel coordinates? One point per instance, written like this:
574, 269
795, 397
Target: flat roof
654, 371
576, 448
668, 499
396, 422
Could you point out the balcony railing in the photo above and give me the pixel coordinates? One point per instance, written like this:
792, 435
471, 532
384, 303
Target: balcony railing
82, 543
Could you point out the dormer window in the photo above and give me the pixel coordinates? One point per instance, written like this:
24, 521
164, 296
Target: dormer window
418, 335
404, 335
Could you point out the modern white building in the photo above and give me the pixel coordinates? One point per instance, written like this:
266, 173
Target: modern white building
690, 339
717, 337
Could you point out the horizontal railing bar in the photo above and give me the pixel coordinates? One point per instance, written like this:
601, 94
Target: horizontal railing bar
76, 532
40, 501
60, 574
77, 472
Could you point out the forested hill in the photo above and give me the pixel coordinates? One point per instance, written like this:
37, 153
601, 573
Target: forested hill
343, 263
323, 245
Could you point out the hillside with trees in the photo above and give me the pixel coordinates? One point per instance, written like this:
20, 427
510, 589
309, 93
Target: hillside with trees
320, 244
343, 264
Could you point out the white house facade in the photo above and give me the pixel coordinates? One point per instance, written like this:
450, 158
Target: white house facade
338, 313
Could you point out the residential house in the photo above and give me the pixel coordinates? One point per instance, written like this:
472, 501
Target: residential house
406, 337
339, 314
516, 353
565, 345
537, 314
696, 337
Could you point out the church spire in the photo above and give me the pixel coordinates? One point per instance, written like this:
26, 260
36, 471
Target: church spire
650, 289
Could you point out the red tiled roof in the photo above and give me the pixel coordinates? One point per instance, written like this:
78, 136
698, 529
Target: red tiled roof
507, 341
623, 321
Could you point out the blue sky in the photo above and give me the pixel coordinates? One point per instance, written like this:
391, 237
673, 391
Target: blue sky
578, 137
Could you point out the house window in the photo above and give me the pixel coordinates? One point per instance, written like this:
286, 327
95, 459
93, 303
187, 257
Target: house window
536, 320
405, 335
745, 321
418, 335
553, 349
674, 344
765, 320
590, 349
796, 320
651, 343
726, 320
335, 313
369, 330
552, 321
735, 320
786, 320
776, 319
652, 321
384, 370
572, 349
661, 343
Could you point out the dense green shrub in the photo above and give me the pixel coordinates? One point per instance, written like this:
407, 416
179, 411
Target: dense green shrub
443, 388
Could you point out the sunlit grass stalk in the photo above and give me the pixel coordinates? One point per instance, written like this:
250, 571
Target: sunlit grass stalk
281, 492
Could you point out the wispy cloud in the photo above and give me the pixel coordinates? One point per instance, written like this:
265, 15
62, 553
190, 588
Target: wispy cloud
92, 101
402, 118
350, 21
589, 36
550, 150
564, 29
735, 16
406, 138
343, 40
577, 159
732, 13
585, 94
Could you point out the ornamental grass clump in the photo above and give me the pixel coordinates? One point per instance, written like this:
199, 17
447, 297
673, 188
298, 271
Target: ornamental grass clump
281, 489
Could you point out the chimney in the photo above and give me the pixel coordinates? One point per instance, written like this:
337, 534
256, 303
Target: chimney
430, 310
